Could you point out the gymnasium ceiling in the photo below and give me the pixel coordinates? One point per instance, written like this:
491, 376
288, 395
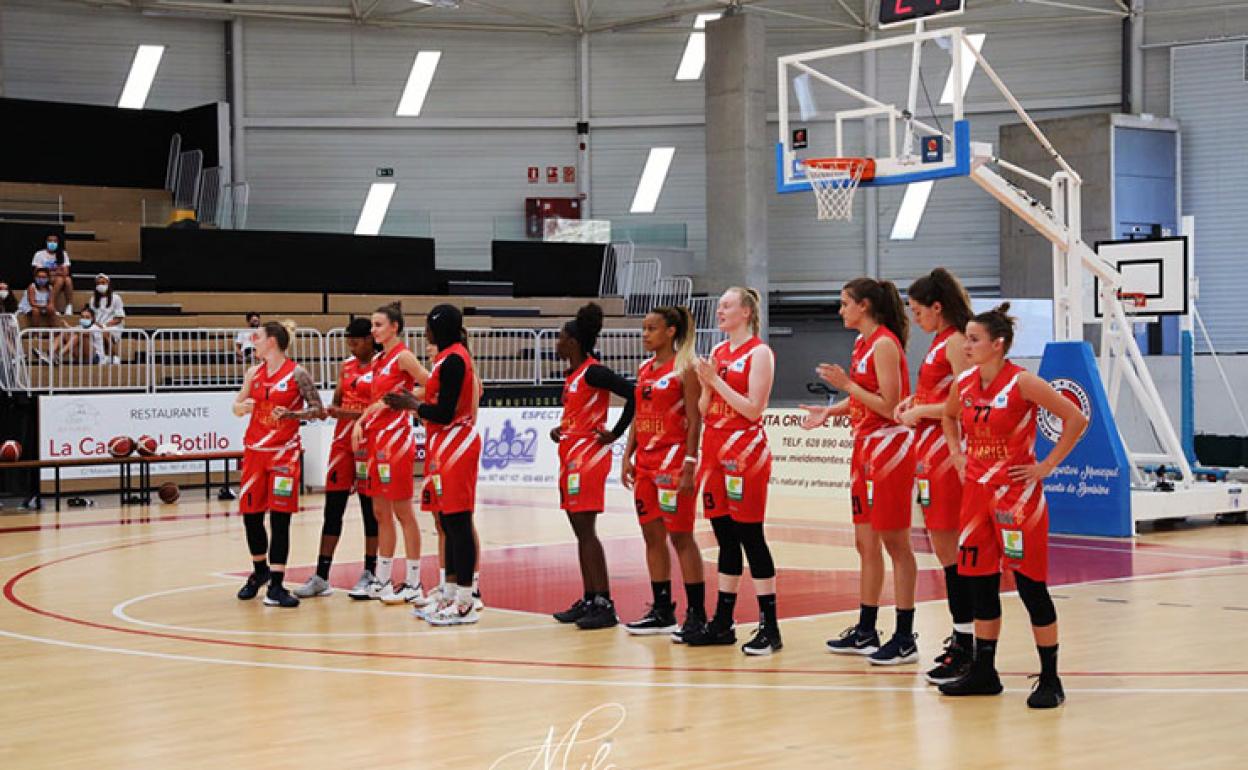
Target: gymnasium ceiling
574, 17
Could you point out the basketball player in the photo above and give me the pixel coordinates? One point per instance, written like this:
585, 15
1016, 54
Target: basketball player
387, 433
277, 393
347, 470
585, 459
736, 468
882, 466
449, 410
660, 466
940, 307
1004, 517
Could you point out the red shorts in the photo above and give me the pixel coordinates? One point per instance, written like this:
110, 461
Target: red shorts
347, 471
882, 479
270, 481
584, 465
391, 473
655, 494
1004, 527
734, 473
938, 487
451, 470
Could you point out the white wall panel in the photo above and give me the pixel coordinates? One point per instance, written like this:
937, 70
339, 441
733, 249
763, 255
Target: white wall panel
335, 70
67, 52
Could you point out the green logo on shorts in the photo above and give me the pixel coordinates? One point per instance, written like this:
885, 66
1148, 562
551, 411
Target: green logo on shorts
1012, 543
361, 470
383, 472
667, 500
735, 486
283, 486
574, 484
925, 492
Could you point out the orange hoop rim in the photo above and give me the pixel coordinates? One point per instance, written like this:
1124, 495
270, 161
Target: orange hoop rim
1137, 298
851, 165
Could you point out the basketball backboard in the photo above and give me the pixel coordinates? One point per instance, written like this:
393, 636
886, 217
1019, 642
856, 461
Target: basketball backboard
1156, 269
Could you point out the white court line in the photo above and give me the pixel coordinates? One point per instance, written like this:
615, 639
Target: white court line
37, 552
119, 611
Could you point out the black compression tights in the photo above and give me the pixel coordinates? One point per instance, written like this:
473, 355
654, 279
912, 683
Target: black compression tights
461, 549
258, 541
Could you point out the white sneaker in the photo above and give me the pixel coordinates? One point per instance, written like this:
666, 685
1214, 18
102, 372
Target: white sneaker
360, 590
315, 586
454, 614
116, 360
402, 594
434, 603
370, 591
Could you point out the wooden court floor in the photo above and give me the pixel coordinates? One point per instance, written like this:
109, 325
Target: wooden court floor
122, 645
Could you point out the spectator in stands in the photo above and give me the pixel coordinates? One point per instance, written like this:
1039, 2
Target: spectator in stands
8, 302
110, 314
55, 259
36, 303
87, 345
245, 342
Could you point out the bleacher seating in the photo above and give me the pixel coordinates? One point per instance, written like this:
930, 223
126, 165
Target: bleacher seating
101, 223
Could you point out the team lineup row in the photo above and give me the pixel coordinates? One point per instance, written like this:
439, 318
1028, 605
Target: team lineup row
961, 446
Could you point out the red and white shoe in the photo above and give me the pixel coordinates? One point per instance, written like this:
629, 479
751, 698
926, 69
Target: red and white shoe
453, 614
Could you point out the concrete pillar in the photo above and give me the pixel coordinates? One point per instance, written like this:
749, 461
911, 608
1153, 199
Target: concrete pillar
737, 155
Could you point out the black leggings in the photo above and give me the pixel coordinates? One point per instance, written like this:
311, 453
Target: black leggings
736, 537
461, 549
258, 541
336, 507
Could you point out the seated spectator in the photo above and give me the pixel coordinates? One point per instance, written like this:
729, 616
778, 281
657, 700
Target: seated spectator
55, 259
36, 302
245, 342
110, 315
86, 344
8, 302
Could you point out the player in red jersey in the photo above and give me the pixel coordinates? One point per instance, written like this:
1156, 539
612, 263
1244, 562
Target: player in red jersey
1004, 518
347, 469
941, 307
882, 467
660, 465
277, 393
391, 442
585, 459
449, 409
735, 468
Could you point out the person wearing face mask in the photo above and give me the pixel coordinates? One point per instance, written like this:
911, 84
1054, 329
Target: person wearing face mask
36, 303
55, 260
245, 342
110, 315
87, 345
8, 302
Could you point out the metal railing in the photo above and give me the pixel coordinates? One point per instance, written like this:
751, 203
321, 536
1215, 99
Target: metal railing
164, 360
641, 289
186, 186
175, 158
210, 187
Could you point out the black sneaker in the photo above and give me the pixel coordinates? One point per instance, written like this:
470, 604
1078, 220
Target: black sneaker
951, 665
712, 634
255, 581
278, 596
897, 651
855, 641
1047, 693
765, 642
600, 614
658, 620
978, 681
695, 621
573, 613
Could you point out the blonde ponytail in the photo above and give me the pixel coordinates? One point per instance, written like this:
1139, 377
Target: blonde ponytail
752, 300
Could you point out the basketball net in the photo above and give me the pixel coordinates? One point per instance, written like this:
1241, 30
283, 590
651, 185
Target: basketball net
834, 182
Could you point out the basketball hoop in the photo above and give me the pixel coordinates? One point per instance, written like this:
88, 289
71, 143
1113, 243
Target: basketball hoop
834, 181
1136, 299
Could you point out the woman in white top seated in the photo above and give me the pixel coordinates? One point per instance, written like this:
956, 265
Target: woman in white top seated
85, 346
55, 260
110, 315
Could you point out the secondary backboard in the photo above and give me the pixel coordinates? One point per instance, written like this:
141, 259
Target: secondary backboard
914, 108
1157, 269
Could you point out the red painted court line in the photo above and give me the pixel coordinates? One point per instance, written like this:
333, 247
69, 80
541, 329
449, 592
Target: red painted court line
11, 596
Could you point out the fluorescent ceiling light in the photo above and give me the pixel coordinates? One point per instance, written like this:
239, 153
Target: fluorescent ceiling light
911, 211
142, 73
652, 178
425, 64
375, 207
695, 49
968, 68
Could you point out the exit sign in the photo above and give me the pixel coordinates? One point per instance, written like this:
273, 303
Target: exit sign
385, 171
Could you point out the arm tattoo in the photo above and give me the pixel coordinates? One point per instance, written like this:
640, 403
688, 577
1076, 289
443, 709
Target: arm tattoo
307, 389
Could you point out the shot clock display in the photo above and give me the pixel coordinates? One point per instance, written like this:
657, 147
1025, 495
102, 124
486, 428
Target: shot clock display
900, 11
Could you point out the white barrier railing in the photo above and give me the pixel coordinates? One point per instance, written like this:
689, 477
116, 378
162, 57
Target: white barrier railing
213, 359
13, 375
58, 360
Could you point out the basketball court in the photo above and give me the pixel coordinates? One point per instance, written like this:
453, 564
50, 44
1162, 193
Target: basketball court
1062, 156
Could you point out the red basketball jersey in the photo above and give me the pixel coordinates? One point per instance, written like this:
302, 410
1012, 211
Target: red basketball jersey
998, 424
466, 406
355, 383
734, 369
864, 421
393, 427
584, 406
269, 391
936, 373
661, 423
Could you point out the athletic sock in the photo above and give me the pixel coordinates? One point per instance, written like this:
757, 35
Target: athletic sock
476, 581
463, 595
275, 580
767, 610
442, 576
260, 567
986, 653
724, 607
867, 616
696, 594
905, 622
964, 635
589, 597
385, 565
323, 564
1048, 660
413, 572
370, 564
662, 590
